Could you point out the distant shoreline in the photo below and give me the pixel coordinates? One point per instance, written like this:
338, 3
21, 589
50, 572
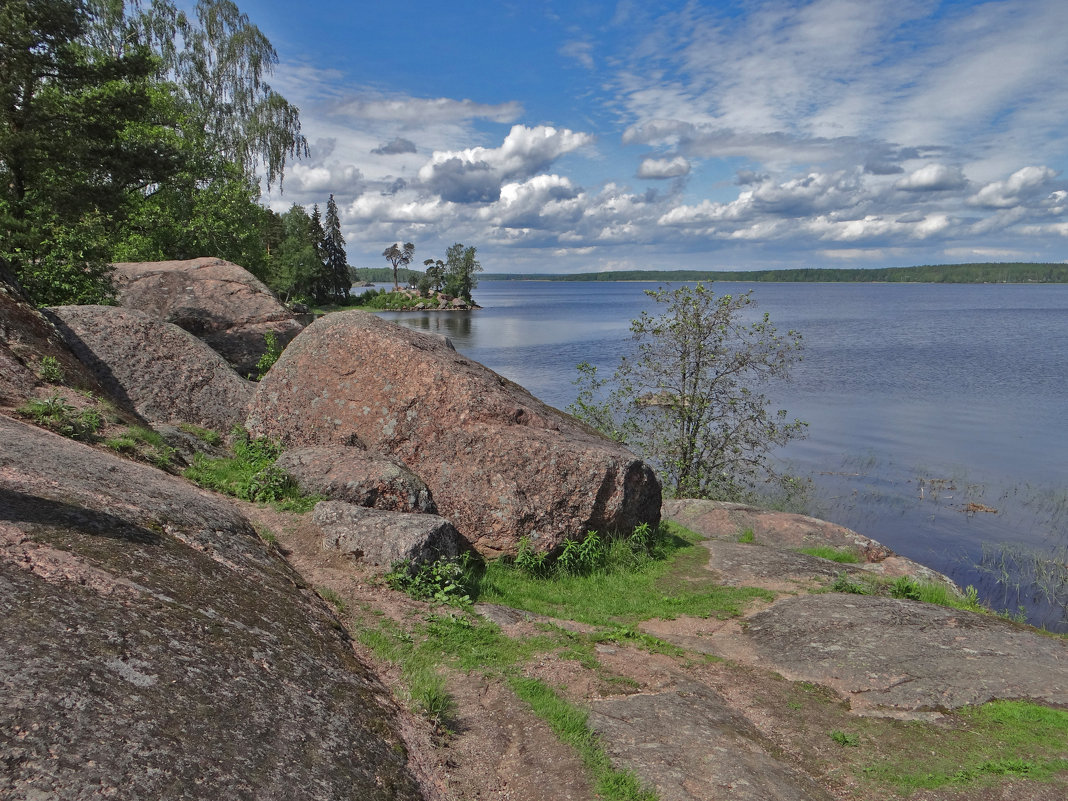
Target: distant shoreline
975, 273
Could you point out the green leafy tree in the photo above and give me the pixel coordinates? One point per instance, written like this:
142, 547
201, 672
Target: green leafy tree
435, 274
688, 401
399, 256
461, 267
218, 62
295, 267
79, 130
337, 266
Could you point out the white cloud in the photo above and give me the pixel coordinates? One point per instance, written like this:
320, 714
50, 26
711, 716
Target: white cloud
579, 50
425, 111
933, 178
476, 174
663, 168
1023, 184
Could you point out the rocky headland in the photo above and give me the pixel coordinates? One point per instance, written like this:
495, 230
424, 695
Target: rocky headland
161, 641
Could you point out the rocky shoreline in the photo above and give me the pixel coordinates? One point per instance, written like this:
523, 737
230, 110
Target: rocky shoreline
159, 640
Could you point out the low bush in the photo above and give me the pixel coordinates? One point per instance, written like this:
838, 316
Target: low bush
443, 581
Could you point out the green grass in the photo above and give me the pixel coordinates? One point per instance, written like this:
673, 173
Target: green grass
250, 474
56, 414
1001, 738
144, 443
624, 590
747, 536
844, 556
570, 724
203, 434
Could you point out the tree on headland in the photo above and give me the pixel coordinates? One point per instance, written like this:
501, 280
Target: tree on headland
399, 256
687, 399
435, 274
460, 268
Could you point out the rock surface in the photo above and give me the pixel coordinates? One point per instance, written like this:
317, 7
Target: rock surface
894, 655
216, 300
655, 734
27, 336
164, 372
501, 464
783, 532
384, 538
152, 647
344, 473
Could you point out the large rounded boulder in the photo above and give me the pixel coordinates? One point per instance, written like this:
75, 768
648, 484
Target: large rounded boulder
152, 647
501, 464
166, 373
220, 302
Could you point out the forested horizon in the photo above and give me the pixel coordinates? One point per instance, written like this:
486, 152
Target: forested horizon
971, 273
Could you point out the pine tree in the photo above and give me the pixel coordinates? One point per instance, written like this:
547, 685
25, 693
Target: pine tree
337, 266
320, 283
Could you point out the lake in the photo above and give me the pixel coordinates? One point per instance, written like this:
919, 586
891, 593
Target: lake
926, 403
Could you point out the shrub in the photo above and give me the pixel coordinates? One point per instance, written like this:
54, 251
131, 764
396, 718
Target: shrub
57, 415
443, 581
51, 371
270, 355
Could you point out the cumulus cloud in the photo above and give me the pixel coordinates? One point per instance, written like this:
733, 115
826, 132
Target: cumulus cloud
1022, 185
476, 174
663, 168
395, 147
336, 178
933, 178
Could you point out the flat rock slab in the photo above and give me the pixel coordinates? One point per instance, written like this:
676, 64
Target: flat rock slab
345, 473
888, 655
385, 538
718, 520
689, 745
742, 565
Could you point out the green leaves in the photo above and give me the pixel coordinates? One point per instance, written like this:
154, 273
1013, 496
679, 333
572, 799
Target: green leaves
687, 399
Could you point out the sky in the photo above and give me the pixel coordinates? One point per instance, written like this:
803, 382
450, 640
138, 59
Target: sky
563, 136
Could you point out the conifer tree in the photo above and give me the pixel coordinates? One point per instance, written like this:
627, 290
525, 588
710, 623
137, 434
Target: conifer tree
337, 267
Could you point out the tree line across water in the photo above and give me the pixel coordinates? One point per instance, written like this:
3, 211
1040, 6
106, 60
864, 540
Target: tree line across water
975, 273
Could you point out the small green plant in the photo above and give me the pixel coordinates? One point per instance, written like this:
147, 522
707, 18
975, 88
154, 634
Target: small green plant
56, 414
747, 536
331, 597
843, 556
936, 592
582, 557
144, 443
533, 563
251, 474
432, 700
845, 738
203, 434
51, 370
845, 584
270, 355
443, 581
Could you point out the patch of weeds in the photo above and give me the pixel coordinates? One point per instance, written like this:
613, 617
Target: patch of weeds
144, 443
251, 474
571, 725
443, 581
843, 583
933, 592
56, 414
205, 435
845, 738
273, 349
843, 556
50, 370
629, 586
746, 536
647, 642
331, 597
988, 742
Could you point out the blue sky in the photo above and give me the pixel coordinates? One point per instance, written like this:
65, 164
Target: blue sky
587, 136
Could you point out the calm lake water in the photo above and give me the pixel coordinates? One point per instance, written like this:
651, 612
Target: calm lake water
921, 399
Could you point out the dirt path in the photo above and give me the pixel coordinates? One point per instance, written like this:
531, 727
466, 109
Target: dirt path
746, 710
